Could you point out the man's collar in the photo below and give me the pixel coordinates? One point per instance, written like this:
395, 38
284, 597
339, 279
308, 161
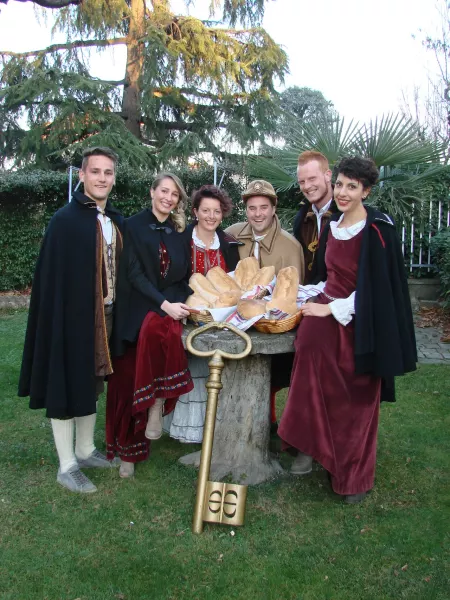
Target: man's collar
324, 208
87, 202
269, 238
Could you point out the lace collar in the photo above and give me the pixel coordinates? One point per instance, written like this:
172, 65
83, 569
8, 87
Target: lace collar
198, 242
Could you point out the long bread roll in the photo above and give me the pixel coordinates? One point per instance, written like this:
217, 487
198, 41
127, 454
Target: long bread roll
263, 277
202, 286
197, 301
222, 281
251, 308
285, 293
227, 299
246, 269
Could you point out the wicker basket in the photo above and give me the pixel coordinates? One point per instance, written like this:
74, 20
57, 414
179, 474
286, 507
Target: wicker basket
281, 326
201, 318
204, 316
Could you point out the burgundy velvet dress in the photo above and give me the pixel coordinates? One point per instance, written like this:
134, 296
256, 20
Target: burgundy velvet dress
156, 368
331, 413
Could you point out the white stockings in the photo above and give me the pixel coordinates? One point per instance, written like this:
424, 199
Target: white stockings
63, 432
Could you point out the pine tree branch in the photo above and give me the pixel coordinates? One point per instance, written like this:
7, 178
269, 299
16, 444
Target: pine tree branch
182, 126
49, 3
68, 46
201, 94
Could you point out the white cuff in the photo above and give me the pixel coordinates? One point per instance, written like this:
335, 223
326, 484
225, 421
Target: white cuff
343, 309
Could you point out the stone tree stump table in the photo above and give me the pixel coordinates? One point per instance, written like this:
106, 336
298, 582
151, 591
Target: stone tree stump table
241, 439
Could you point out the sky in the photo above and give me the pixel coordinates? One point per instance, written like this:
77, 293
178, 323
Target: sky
361, 54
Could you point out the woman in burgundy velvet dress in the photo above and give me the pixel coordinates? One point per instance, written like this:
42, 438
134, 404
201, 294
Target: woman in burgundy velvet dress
150, 365
354, 339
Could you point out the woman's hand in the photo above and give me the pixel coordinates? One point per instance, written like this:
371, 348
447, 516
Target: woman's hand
176, 310
312, 309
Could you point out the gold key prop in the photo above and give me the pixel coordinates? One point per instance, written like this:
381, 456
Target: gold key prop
216, 502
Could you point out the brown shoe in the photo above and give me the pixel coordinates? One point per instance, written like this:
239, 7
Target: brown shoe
153, 431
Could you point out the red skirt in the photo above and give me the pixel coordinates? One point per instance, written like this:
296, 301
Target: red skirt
331, 413
156, 368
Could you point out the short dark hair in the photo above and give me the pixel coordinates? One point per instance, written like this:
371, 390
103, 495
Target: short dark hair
98, 151
363, 170
212, 191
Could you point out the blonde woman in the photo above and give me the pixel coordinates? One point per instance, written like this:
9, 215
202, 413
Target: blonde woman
150, 368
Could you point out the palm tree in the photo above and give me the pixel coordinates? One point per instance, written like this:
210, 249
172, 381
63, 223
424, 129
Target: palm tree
406, 159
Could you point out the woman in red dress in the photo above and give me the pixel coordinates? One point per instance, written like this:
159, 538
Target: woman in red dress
355, 338
150, 368
210, 247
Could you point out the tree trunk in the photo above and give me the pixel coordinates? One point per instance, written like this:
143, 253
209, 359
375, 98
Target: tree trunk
131, 111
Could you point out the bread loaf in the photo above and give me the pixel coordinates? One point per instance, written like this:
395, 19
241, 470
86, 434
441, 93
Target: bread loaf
197, 301
285, 293
245, 271
222, 281
251, 308
203, 287
227, 299
263, 277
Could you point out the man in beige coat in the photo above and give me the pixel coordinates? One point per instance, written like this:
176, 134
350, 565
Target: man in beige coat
263, 238
262, 235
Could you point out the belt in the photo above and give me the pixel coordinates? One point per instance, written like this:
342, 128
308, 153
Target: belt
331, 297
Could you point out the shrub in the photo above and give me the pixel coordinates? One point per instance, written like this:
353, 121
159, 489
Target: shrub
440, 248
28, 199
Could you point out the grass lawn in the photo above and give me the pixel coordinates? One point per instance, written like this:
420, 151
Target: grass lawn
132, 539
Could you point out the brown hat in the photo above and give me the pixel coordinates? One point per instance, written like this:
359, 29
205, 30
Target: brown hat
259, 187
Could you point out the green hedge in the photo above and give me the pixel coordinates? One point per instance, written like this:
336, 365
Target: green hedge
440, 249
28, 199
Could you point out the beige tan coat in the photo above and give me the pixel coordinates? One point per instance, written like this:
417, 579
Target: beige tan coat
278, 248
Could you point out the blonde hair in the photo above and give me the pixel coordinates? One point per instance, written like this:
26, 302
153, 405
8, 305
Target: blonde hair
309, 155
178, 216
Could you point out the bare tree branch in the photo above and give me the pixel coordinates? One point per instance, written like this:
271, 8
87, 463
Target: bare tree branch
68, 46
49, 3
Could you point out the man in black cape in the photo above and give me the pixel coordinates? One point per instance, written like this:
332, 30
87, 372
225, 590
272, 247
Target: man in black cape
66, 355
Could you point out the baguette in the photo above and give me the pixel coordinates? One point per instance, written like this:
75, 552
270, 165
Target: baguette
251, 308
222, 281
245, 271
227, 299
197, 301
203, 287
263, 277
285, 293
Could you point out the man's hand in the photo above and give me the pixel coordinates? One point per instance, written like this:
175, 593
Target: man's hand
176, 310
311, 309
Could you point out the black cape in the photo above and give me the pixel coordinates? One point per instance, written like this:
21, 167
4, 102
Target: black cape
58, 364
140, 286
385, 343
305, 207
229, 246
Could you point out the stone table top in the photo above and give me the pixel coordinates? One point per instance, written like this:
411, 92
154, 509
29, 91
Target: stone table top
262, 343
